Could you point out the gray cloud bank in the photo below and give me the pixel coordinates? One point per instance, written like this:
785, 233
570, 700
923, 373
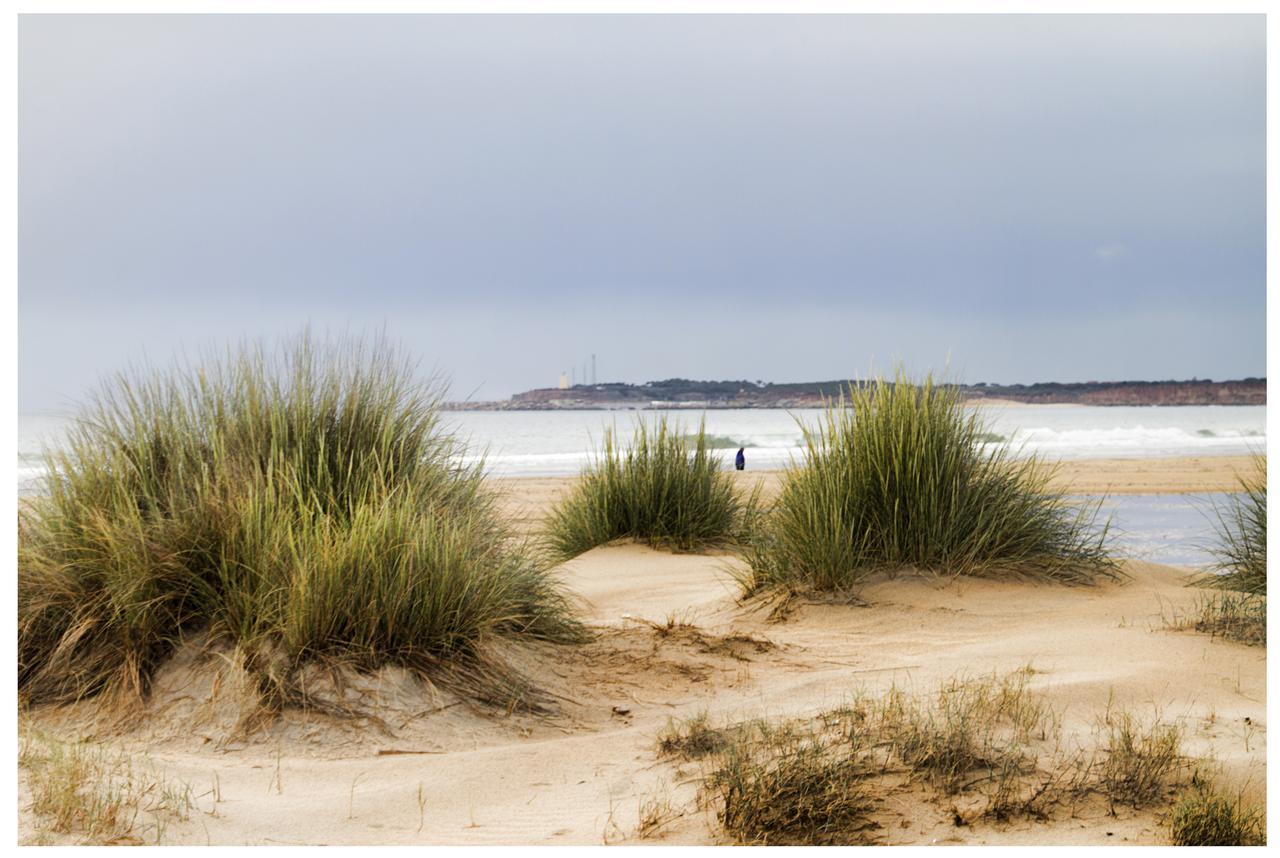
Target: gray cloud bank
775, 197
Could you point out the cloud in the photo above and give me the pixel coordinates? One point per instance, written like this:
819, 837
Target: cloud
1110, 252
188, 177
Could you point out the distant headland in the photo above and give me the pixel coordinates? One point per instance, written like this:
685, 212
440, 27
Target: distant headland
685, 393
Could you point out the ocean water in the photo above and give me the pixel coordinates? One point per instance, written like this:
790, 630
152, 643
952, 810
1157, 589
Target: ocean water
1162, 528
1176, 530
559, 443
551, 443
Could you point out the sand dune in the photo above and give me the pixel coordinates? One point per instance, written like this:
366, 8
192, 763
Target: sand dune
671, 641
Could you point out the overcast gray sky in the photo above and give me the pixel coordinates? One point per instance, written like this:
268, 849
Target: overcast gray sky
761, 197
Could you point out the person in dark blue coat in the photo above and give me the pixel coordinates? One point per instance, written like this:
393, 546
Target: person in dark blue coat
741, 461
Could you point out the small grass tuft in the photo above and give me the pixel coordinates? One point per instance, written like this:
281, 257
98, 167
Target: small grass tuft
986, 747
98, 797
1240, 617
655, 813
971, 731
1139, 760
668, 489
783, 788
693, 738
1205, 816
901, 475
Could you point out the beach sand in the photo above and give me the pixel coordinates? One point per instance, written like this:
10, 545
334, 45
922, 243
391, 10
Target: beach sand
527, 497
580, 773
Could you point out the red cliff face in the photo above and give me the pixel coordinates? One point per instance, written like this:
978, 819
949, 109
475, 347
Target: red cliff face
1162, 393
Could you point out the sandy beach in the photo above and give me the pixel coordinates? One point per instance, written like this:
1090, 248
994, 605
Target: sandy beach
381, 384
525, 498
671, 641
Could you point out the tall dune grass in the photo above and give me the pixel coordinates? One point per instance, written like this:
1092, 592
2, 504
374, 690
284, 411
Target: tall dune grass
1208, 815
1240, 563
896, 476
302, 503
1241, 525
666, 488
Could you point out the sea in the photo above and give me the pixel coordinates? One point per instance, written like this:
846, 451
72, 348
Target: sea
1173, 529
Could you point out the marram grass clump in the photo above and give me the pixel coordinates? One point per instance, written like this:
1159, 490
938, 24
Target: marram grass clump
1239, 571
1241, 547
1206, 816
666, 488
301, 504
897, 476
